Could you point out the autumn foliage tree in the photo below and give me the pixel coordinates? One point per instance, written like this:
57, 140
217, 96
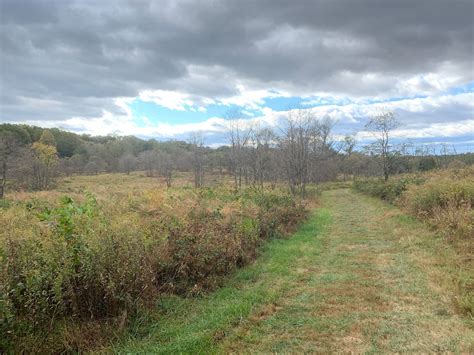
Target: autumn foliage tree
46, 159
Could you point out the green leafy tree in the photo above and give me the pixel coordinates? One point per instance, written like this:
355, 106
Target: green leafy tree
427, 163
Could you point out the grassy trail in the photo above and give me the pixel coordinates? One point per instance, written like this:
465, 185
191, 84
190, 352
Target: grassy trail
359, 276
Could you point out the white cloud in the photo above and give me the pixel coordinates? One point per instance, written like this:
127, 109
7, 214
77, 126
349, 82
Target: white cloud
411, 112
430, 83
449, 129
251, 99
354, 111
173, 100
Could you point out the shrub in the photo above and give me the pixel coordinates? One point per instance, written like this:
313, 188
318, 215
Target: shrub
427, 163
445, 203
445, 199
390, 190
71, 264
79, 260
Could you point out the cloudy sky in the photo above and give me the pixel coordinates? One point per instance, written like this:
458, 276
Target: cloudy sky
166, 68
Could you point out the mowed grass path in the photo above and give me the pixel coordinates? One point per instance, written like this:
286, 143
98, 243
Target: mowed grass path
358, 276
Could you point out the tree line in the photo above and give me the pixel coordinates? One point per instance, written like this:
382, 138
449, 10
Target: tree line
300, 151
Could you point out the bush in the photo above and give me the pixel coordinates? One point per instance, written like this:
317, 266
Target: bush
427, 163
79, 260
445, 199
390, 190
71, 264
445, 203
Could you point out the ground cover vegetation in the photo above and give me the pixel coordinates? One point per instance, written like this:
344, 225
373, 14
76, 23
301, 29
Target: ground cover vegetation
444, 200
359, 276
80, 258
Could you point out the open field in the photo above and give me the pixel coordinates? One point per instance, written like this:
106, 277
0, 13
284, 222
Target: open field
105, 185
86, 257
124, 264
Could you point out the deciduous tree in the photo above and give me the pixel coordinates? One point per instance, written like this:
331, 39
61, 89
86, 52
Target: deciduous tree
46, 159
381, 126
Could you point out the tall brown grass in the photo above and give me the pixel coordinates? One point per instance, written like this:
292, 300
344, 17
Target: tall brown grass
70, 264
445, 200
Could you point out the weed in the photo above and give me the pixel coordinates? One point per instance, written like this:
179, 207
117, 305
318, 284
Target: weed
81, 261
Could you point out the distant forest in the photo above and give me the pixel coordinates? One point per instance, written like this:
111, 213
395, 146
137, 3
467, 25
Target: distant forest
32, 157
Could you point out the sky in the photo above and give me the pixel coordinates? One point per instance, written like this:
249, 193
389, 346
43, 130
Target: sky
164, 69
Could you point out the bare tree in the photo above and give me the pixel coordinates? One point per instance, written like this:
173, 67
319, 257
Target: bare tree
65, 166
95, 165
323, 143
239, 135
445, 152
322, 154
347, 148
149, 161
262, 140
382, 125
298, 134
127, 163
198, 156
8, 146
166, 167
77, 162
92, 168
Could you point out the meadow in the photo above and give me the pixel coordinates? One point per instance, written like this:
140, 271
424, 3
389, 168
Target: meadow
236, 177
444, 200
121, 263
84, 258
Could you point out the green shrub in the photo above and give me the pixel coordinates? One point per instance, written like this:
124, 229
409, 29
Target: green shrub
445, 201
439, 193
390, 190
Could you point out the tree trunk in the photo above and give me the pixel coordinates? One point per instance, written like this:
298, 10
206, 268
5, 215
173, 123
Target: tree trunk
168, 179
236, 183
4, 179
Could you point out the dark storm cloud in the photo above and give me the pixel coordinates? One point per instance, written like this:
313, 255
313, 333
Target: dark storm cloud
70, 58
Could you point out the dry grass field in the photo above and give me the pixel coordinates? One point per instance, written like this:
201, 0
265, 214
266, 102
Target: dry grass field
121, 263
90, 254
